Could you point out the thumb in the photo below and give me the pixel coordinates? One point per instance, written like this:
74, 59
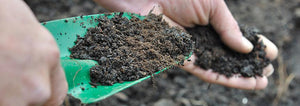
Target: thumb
224, 23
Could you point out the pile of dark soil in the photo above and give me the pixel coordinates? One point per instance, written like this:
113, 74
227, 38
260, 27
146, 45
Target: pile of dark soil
212, 53
127, 50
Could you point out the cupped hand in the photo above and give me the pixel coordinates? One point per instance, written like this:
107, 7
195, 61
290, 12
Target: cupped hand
29, 59
188, 13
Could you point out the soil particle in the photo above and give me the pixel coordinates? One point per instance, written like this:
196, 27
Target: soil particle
211, 53
127, 50
82, 88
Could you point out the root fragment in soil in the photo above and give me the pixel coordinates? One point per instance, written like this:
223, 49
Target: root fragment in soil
213, 54
128, 50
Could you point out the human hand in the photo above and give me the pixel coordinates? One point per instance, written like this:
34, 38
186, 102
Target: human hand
188, 13
30, 71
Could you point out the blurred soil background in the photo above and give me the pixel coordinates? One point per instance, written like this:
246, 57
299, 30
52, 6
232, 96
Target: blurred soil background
279, 20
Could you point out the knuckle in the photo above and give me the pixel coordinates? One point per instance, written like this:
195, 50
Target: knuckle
51, 50
53, 55
53, 59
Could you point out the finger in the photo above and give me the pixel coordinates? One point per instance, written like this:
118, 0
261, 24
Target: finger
156, 9
189, 65
171, 22
271, 48
267, 71
261, 82
235, 81
224, 23
59, 87
39, 82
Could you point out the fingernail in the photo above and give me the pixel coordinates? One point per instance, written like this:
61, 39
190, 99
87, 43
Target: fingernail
268, 70
270, 73
271, 48
247, 44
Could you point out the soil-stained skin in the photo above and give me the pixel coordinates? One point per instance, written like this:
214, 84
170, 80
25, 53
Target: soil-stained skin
213, 54
127, 50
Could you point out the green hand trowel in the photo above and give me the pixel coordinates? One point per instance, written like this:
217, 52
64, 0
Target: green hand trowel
77, 71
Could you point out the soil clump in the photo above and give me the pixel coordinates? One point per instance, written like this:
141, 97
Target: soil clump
213, 54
